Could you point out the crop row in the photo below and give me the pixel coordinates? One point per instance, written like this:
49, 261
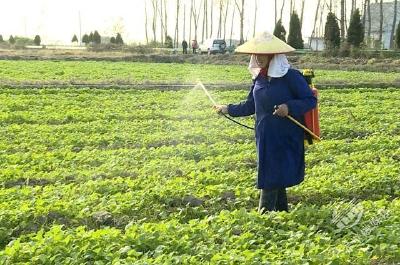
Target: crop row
135, 72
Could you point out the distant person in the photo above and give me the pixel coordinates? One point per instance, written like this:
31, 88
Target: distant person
184, 46
277, 91
195, 46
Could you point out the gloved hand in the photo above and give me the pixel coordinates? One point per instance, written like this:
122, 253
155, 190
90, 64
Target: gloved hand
281, 110
221, 109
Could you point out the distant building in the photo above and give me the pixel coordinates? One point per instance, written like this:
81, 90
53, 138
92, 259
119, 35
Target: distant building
315, 44
388, 13
105, 39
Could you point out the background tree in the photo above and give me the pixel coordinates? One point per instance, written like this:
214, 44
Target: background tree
11, 40
118, 39
85, 39
74, 38
380, 21
37, 40
196, 16
176, 32
398, 36
255, 18
154, 4
205, 17
393, 25
112, 40
240, 7
315, 21
302, 13
168, 42
91, 37
280, 31
332, 32
369, 18
226, 16
211, 18
295, 39
1, 38
145, 23
355, 33
96, 37
342, 20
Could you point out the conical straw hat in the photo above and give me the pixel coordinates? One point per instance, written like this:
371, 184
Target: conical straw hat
264, 43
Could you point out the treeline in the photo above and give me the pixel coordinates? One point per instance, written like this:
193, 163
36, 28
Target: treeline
94, 38
335, 42
21, 41
203, 19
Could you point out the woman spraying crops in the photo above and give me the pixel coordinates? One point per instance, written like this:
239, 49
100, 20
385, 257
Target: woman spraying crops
277, 91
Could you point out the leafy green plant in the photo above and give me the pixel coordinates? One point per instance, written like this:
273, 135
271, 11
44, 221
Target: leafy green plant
152, 176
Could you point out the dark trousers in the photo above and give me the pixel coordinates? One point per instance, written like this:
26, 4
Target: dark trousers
273, 200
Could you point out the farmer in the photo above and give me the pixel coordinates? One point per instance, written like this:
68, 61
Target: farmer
184, 46
277, 91
195, 46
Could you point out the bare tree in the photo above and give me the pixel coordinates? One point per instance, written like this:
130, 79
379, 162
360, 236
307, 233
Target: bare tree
302, 13
221, 7
165, 20
369, 19
154, 24
184, 21
342, 20
196, 16
380, 21
393, 25
352, 7
206, 16
364, 12
160, 13
204, 20
176, 37
315, 21
190, 20
240, 8
227, 3
291, 7
320, 31
145, 22
211, 18
283, 5
255, 17
233, 19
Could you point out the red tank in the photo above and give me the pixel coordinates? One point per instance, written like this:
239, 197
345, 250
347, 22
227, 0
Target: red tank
311, 118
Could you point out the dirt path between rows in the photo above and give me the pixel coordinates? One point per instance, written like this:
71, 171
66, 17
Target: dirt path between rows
170, 86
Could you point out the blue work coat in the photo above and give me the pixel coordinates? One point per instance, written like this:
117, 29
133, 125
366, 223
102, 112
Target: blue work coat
279, 141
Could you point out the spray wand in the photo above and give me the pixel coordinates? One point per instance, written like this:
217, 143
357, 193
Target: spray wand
215, 103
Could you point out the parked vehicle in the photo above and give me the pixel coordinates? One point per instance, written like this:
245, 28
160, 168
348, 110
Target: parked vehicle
213, 46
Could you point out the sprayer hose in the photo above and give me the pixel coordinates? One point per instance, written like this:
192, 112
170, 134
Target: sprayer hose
241, 124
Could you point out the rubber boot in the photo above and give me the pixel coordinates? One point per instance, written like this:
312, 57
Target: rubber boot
268, 199
282, 203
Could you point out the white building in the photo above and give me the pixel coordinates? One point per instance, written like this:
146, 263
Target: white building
315, 43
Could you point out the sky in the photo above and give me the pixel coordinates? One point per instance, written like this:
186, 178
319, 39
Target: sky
56, 21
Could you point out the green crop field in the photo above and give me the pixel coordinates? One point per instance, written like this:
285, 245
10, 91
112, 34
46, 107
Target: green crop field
135, 73
92, 176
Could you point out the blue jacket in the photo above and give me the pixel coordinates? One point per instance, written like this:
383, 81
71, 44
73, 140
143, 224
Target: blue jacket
280, 142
